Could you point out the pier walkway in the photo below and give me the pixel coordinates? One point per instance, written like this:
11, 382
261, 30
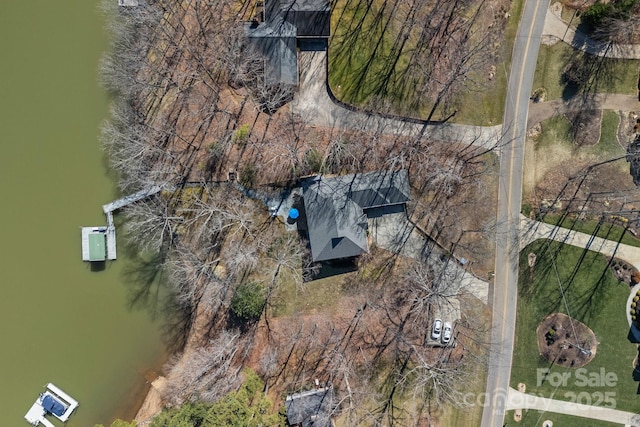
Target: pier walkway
99, 242
120, 203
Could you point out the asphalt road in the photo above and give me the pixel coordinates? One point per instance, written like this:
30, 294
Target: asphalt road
523, 64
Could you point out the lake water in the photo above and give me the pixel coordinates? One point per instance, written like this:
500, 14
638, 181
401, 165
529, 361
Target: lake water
60, 322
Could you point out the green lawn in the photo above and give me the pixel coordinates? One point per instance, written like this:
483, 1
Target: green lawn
558, 131
608, 75
555, 131
571, 16
318, 295
372, 65
487, 108
533, 418
608, 145
595, 298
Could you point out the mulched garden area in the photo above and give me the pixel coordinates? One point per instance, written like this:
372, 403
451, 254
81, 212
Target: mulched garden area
566, 341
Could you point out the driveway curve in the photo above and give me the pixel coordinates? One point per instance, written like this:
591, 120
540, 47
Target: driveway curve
314, 104
556, 27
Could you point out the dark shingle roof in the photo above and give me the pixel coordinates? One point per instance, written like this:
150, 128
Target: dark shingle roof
335, 210
310, 408
277, 42
310, 17
276, 37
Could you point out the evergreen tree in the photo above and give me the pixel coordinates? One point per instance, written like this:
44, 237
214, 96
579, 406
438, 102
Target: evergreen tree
247, 407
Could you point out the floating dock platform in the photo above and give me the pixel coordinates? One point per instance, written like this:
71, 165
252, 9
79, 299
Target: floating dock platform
99, 243
52, 402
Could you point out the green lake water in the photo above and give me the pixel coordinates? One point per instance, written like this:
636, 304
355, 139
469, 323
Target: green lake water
60, 322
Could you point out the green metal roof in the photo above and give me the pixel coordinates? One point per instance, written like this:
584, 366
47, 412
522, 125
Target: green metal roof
97, 251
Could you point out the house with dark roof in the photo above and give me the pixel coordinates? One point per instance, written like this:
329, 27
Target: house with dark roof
277, 43
337, 210
311, 18
284, 27
310, 408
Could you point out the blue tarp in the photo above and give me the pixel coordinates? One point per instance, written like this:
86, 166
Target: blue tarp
52, 406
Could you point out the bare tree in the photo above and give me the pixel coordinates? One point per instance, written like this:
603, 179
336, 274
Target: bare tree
439, 381
286, 256
152, 225
428, 288
207, 373
217, 213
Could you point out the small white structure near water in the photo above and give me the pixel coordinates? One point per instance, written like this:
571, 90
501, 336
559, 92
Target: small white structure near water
52, 401
99, 243
127, 2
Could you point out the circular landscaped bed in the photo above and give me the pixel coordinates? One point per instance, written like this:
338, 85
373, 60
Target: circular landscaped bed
565, 341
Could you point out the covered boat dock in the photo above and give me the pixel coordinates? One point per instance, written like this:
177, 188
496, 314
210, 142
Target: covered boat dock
52, 401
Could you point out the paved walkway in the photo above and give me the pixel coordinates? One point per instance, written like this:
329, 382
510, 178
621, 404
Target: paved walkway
313, 103
519, 400
555, 26
531, 230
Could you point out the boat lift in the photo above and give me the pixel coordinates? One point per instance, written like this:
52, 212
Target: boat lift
52, 401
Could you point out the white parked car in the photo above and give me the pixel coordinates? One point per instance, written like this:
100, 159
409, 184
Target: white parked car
436, 330
446, 333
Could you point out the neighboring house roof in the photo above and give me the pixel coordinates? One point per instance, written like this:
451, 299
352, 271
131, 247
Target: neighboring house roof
310, 408
336, 210
310, 17
275, 38
277, 42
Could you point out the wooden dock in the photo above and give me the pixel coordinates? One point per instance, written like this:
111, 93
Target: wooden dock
99, 243
111, 237
132, 198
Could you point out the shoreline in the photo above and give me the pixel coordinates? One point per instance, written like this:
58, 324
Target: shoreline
152, 403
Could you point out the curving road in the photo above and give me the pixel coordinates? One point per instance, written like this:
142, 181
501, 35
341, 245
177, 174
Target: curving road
523, 64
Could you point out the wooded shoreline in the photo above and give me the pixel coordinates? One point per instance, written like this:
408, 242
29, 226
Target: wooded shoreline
186, 112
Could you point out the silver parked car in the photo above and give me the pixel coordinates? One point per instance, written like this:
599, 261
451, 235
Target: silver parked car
446, 333
436, 330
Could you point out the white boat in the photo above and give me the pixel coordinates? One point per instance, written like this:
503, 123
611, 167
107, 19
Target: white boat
52, 401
